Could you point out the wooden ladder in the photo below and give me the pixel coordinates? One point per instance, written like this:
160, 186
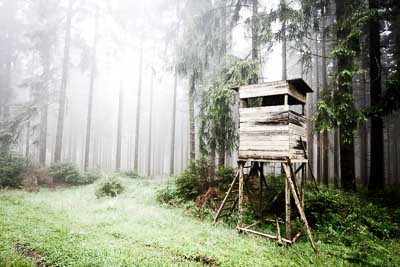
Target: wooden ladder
230, 200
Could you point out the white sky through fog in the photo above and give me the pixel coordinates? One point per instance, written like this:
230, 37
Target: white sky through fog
117, 64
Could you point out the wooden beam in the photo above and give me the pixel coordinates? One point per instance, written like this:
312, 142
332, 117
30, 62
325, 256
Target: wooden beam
272, 237
287, 211
278, 232
296, 237
241, 194
298, 205
309, 165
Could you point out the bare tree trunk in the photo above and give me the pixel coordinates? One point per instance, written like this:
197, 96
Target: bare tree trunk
377, 179
44, 111
254, 32
325, 139
284, 49
336, 160
364, 141
138, 103
318, 173
150, 146
347, 171
191, 118
310, 126
91, 89
119, 129
173, 125
63, 89
27, 140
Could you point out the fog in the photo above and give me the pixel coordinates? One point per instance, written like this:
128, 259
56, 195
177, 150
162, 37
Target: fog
127, 48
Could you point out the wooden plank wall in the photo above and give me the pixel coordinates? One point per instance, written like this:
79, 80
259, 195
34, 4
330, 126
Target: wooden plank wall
297, 129
271, 133
270, 89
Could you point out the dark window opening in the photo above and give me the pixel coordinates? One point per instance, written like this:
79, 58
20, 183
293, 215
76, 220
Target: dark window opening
273, 100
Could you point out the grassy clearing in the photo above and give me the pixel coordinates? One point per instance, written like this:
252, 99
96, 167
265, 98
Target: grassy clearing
71, 227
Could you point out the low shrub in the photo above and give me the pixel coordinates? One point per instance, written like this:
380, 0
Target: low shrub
224, 176
12, 168
168, 195
184, 186
68, 173
131, 174
90, 177
65, 173
110, 187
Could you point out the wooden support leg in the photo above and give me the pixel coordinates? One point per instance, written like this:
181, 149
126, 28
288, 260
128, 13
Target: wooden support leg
298, 204
261, 170
303, 178
287, 211
278, 233
241, 194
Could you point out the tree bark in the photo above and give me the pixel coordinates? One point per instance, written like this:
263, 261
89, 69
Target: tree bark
44, 110
63, 89
317, 80
346, 148
119, 129
284, 49
254, 32
377, 179
325, 139
192, 141
138, 104
149, 148
336, 160
173, 125
91, 89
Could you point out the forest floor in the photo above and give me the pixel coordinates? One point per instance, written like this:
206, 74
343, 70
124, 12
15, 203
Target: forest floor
71, 227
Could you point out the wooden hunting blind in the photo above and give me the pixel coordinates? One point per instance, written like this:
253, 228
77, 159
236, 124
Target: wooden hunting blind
272, 128
276, 129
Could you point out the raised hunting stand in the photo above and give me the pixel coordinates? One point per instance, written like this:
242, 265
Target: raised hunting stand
272, 124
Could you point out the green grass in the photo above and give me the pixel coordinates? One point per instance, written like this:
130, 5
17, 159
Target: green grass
71, 227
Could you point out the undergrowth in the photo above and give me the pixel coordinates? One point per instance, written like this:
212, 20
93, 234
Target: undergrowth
362, 222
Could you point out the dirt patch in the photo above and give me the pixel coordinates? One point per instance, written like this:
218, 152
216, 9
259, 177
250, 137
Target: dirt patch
29, 252
202, 259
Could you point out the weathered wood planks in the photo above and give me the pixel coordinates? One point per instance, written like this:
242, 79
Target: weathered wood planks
270, 89
271, 133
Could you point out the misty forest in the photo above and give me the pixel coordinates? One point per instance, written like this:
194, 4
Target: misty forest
199, 133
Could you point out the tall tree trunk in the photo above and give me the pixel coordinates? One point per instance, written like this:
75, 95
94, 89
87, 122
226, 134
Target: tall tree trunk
325, 139
221, 157
91, 89
119, 129
364, 137
138, 104
44, 111
284, 49
377, 179
63, 89
173, 125
336, 160
346, 148
310, 126
5, 146
43, 129
192, 140
150, 146
254, 32
27, 139
317, 80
